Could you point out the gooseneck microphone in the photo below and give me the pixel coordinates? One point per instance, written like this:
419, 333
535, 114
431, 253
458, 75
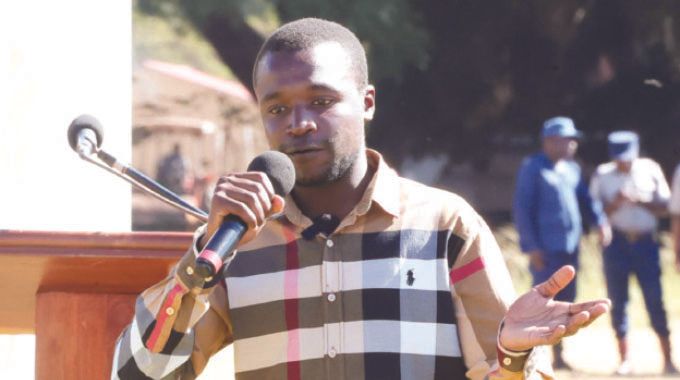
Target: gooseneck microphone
85, 135
279, 168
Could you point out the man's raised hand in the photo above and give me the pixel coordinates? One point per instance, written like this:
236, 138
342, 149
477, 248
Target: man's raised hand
536, 319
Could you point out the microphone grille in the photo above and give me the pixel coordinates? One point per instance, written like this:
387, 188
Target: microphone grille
278, 167
84, 122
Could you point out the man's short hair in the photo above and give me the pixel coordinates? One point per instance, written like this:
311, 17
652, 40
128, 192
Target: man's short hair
306, 33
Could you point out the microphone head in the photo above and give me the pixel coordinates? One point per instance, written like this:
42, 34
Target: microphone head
278, 167
84, 122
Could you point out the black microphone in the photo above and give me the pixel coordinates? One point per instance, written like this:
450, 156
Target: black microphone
279, 168
84, 134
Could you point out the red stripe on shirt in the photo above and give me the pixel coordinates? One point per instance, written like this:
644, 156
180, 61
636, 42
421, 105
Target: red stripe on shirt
162, 317
466, 270
291, 305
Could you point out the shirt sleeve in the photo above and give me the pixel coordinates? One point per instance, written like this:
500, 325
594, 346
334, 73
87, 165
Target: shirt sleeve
595, 187
674, 205
482, 291
524, 207
591, 206
178, 324
663, 191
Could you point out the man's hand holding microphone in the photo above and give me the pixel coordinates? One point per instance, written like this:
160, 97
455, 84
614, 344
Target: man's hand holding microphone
240, 206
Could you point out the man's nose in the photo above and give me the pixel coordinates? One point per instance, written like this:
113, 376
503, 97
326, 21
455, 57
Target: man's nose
302, 123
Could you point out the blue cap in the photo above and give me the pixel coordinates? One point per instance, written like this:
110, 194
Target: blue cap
623, 145
562, 127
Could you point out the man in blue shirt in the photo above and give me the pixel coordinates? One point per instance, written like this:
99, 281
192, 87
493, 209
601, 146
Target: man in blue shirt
549, 199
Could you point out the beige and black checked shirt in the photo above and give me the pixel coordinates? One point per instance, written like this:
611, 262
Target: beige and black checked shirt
410, 285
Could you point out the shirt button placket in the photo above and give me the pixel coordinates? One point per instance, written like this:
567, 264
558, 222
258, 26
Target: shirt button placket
332, 287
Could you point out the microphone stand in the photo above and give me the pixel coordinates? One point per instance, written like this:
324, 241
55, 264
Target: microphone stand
142, 182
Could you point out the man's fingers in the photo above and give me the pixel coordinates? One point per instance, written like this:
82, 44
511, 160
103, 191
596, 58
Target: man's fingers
556, 282
230, 205
259, 177
278, 203
553, 336
594, 309
597, 310
249, 188
576, 322
589, 306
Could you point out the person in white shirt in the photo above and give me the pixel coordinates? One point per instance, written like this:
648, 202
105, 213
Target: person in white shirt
635, 193
674, 208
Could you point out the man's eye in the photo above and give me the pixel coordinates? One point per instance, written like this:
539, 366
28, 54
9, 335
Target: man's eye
322, 102
275, 110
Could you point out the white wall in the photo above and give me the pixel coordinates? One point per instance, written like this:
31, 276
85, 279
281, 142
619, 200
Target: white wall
59, 59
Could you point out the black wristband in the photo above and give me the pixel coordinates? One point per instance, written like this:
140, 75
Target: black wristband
512, 361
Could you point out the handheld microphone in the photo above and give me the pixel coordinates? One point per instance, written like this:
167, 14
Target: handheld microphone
279, 168
85, 135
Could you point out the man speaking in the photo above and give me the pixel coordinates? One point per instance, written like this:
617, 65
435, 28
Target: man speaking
358, 273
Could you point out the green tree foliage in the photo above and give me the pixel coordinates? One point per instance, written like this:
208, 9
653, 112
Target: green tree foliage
473, 77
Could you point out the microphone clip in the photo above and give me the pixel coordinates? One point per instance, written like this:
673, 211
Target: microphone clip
322, 224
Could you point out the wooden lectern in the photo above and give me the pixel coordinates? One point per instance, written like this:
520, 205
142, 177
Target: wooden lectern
77, 291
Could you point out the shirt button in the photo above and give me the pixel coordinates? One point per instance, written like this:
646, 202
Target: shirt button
332, 353
329, 243
190, 271
507, 361
331, 297
169, 311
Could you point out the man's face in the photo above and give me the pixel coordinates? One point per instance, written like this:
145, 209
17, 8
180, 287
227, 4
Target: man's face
313, 110
557, 147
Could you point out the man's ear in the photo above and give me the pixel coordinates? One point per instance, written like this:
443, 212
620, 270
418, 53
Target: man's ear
369, 102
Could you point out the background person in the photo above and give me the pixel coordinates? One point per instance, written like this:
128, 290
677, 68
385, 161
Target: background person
174, 172
549, 197
674, 208
634, 192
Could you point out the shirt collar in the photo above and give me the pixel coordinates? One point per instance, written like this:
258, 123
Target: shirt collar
383, 190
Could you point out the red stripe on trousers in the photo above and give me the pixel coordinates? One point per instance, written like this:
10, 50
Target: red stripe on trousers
466, 270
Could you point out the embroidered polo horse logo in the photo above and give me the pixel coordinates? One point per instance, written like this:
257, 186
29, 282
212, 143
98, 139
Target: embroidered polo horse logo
410, 279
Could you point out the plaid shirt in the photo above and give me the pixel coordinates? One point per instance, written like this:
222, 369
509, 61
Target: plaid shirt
410, 285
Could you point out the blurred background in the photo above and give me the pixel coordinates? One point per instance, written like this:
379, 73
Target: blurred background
462, 86
462, 90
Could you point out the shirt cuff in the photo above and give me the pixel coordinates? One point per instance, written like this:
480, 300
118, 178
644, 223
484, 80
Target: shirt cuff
186, 267
512, 361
